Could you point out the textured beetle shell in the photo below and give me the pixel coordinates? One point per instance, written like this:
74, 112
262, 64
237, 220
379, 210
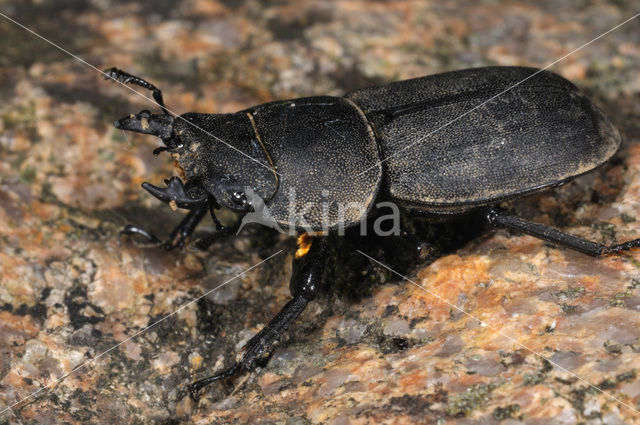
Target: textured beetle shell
327, 158
540, 133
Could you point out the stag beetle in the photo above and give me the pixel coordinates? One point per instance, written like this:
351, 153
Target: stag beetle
514, 131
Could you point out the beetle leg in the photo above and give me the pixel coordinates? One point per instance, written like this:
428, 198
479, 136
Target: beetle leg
130, 229
305, 284
125, 78
186, 227
498, 218
178, 236
206, 241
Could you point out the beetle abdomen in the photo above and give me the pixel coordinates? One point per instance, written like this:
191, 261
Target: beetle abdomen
443, 156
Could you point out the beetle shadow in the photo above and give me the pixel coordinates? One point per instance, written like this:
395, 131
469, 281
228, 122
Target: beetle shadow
421, 241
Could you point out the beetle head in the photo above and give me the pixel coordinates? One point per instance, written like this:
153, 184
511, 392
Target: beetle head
222, 151
218, 154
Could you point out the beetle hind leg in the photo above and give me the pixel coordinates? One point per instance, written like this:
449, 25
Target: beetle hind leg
498, 218
625, 246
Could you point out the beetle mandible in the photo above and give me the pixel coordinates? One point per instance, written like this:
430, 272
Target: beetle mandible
394, 141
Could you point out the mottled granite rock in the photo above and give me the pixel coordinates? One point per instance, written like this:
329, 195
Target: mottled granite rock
388, 352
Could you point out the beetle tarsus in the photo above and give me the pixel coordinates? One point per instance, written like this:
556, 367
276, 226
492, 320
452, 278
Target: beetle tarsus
625, 246
499, 218
134, 230
259, 346
126, 78
195, 387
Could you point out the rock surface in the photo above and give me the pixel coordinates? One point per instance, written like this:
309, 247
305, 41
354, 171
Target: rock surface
560, 339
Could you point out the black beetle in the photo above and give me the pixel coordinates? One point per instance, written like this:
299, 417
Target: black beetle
514, 131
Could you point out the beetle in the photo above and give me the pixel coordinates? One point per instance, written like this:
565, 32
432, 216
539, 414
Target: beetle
514, 131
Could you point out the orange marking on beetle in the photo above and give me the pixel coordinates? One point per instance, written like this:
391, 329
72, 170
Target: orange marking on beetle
180, 170
304, 244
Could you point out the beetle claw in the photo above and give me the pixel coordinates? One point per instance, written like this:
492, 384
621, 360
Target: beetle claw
153, 241
174, 192
133, 230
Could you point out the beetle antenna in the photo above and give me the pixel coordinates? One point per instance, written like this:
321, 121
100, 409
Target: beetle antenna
126, 78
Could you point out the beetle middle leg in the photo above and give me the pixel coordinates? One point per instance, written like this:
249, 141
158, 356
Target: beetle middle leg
305, 284
498, 218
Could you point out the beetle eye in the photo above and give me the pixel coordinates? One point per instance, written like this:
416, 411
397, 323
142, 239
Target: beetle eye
172, 143
239, 198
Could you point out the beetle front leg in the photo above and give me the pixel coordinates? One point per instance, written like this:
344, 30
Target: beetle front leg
305, 284
498, 218
178, 236
185, 229
206, 241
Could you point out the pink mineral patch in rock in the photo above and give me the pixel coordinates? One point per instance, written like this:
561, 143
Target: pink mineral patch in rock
305, 372
132, 350
164, 361
486, 365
